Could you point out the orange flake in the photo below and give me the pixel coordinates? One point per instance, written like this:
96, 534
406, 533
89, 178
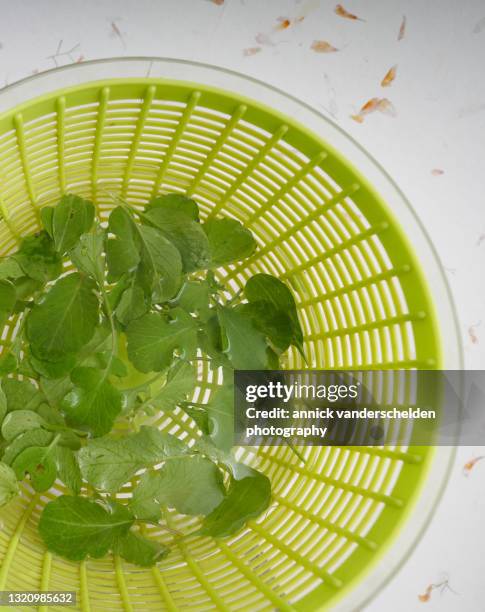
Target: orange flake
80, 59
437, 171
402, 29
469, 465
284, 23
218, 2
322, 46
426, 596
390, 76
383, 105
251, 51
341, 12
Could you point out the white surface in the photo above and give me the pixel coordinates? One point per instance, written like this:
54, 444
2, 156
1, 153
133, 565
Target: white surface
439, 97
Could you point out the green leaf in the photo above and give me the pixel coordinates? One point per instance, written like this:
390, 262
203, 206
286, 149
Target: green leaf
75, 527
243, 343
94, 403
144, 502
39, 463
3, 403
9, 268
46, 216
53, 369
175, 202
276, 325
107, 463
220, 411
65, 320
68, 469
88, 257
199, 415
55, 389
19, 421
160, 269
181, 381
194, 298
210, 341
8, 298
158, 262
9, 487
136, 549
122, 252
38, 258
153, 338
132, 304
21, 394
33, 437
229, 241
184, 233
269, 289
246, 498
191, 485
71, 217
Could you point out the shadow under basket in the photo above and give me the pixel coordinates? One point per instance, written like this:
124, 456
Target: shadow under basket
362, 301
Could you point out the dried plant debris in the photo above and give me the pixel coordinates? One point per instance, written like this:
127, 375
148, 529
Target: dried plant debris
322, 46
389, 77
382, 105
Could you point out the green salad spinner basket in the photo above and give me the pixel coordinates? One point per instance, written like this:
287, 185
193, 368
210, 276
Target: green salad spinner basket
370, 294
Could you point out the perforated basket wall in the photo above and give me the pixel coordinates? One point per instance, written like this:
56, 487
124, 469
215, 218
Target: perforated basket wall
361, 298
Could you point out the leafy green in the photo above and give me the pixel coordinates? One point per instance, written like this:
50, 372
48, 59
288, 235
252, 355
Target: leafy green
68, 469
194, 297
93, 403
144, 502
38, 258
132, 304
220, 412
184, 233
39, 463
191, 485
8, 297
229, 241
75, 527
70, 218
180, 382
9, 487
87, 255
32, 437
10, 269
3, 404
247, 498
101, 350
65, 320
134, 548
244, 345
264, 290
158, 263
19, 421
175, 202
153, 338
107, 463
20, 394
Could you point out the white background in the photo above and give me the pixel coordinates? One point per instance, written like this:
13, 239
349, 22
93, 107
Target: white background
439, 99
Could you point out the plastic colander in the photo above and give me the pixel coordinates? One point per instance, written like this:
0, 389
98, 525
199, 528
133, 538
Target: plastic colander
330, 223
